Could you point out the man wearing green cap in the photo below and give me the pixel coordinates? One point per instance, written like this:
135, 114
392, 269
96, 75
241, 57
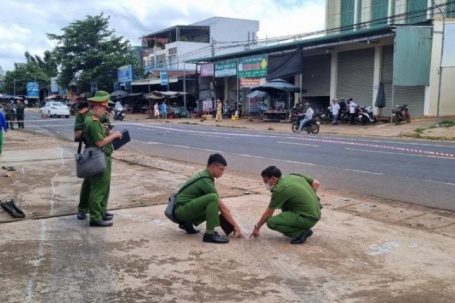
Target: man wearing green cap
95, 136
84, 196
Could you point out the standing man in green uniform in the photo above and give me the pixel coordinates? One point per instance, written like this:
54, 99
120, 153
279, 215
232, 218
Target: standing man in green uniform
95, 135
198, 201
295, 195
9, 115
20, 112
84, 196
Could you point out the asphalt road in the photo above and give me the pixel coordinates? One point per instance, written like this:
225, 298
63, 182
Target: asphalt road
418, 172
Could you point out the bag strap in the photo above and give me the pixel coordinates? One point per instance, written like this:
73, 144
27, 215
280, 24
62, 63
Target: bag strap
80, 143
192, 182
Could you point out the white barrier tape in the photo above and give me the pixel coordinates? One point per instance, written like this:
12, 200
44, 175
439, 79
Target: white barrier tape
41, 120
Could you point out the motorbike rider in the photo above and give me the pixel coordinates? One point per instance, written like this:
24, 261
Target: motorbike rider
308, 116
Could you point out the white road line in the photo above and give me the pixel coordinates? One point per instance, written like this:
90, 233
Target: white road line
445, 183
301, 144
393, 153
364, 172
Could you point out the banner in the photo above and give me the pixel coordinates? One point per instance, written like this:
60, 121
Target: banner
33, 89
226, 68
54, 85
125, 73
249, 82
253, 67
207, 70
163, 77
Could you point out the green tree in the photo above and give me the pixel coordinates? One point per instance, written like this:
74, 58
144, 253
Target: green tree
88, 52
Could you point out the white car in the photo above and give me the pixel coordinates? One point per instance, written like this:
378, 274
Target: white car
54, 108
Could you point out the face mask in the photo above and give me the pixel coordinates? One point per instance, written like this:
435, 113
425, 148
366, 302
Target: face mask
268, 186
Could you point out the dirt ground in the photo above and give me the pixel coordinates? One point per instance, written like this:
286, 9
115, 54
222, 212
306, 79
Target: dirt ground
363, 249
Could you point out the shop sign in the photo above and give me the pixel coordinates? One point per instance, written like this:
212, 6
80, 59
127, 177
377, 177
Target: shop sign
225, 68
207, 70
253, 67
249, 82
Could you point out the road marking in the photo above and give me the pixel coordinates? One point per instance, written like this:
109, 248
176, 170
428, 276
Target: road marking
301, 144
394, 153
444, 183
364, 172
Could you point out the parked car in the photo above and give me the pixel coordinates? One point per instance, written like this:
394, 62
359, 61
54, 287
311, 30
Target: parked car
54, 108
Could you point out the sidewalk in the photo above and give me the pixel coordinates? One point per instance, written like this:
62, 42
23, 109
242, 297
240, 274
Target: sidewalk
363, 249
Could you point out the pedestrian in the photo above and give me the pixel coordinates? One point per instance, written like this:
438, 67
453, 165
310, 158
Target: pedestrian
295, 195
198, 201
308, 116
84, 196
3, 127
20, 112
219, 111
164, 110
156, 111
9, 115
352, 110
335, 109
95, 136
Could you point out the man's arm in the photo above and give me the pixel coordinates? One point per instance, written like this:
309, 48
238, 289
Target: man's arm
267, 214
226, 212
108, 139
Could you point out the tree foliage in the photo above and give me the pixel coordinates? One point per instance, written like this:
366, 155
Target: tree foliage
88, 52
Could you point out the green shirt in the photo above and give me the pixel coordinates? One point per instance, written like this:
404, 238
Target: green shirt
94, 131
294, 193
199, 188
20, 110
80, 119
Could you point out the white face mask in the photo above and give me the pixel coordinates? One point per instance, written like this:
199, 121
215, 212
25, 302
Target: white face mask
268, 186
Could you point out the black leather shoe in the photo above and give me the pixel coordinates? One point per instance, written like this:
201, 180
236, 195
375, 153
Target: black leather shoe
108, 213
214, 238
101, 223
107, 218
302, 238
188, 227
81, 215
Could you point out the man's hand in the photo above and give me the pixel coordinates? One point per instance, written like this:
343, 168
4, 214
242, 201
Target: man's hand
238, 232
255, 233
117, 134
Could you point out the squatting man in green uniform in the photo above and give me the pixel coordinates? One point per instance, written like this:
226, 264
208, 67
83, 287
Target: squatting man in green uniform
296, 196
95, 135
198, 201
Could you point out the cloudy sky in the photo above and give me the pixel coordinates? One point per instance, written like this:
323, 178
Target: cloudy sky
24, 24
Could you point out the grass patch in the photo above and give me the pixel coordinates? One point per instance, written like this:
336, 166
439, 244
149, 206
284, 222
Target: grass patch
447, 123
419, 130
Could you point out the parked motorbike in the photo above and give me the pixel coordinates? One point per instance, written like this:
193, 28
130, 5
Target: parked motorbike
311, 127
401, 113
118, 115
365, 115
325, 117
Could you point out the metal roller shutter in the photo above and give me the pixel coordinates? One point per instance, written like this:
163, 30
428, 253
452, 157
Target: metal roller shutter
413, 96
355, 75
316, 75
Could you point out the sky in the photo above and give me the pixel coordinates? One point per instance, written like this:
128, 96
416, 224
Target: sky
24, 24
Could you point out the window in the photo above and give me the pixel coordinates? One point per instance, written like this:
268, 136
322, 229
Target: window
416, 11
379, 11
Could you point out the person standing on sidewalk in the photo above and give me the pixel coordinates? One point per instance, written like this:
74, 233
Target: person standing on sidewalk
3, 126
9, 115
20, 112
79, 120
335, 109
164, 110
95, 136
295, 195
156, 111
219, 111
198, 201
352, 110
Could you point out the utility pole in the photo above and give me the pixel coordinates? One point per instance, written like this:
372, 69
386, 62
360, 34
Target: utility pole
440, 61
14, 80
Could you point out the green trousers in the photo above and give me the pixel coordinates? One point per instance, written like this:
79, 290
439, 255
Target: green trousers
290, 224
204, 208
1, 140
95, 191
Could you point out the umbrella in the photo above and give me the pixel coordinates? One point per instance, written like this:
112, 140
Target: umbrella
380, 98
278, 85
119, 94
257, 94
52, 97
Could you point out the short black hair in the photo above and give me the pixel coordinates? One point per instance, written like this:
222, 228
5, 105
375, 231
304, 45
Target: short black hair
216, 159
271, 171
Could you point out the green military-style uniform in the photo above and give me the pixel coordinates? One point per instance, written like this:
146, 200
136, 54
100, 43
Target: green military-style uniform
20, 112
199, 202
84, 195
99, 184
9, 116
299, 205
